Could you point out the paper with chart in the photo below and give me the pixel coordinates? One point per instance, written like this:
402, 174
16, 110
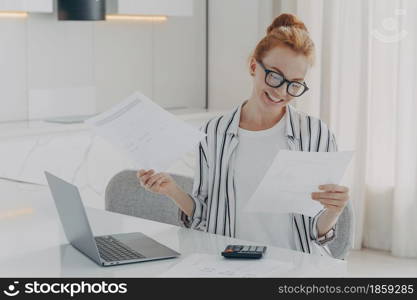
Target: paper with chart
293, 176
206, 265
152, 137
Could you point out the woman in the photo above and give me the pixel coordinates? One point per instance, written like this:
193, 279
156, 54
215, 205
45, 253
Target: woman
240, 146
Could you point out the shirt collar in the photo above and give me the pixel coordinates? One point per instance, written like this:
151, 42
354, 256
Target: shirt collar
291, 121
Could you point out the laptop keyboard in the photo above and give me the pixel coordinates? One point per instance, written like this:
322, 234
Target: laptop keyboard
113, 250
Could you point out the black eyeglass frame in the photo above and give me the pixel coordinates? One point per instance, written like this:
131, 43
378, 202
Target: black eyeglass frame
285, 80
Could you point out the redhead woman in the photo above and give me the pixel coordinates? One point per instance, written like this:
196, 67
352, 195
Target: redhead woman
240, 146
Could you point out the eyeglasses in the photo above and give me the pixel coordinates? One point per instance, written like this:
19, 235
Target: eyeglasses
275, 80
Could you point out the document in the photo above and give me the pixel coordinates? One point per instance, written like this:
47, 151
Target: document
152, 137
206, 265
293, 176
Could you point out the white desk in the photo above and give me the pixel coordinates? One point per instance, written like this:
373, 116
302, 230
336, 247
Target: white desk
34, 245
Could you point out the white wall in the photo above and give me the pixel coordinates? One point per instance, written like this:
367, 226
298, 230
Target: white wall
235, 27
48, 67
13, 65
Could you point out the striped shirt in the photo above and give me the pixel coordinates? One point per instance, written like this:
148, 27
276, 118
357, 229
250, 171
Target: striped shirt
214, 192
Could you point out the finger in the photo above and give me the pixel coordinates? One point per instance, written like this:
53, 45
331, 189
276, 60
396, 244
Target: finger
159, 182
325, 195
149, 172
336, 203
329, 206
140, 173
153, 179
143, 173
334, 188
147, 175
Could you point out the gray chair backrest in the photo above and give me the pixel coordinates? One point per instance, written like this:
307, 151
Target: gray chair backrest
343, 242
125, 195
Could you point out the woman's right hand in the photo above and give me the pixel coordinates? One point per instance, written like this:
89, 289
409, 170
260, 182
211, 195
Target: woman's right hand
164, 184
160, 183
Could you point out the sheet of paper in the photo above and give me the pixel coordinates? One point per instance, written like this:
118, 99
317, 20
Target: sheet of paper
293, 176
206, 265
152, 137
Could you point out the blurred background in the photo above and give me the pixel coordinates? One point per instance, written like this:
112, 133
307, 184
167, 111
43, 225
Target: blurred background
59, 65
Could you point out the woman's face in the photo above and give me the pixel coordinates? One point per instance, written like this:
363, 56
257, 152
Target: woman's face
284, 61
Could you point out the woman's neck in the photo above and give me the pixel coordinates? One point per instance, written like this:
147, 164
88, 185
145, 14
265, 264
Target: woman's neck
254, 119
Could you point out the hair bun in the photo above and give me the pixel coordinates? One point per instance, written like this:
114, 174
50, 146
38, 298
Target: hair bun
288, 20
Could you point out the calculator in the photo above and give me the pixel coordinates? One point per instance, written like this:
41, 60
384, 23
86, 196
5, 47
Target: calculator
242, 251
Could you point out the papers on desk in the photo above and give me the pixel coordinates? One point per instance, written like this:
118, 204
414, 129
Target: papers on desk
206, 265
293, 176
152, 137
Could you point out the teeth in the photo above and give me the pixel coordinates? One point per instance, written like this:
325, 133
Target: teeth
273, 98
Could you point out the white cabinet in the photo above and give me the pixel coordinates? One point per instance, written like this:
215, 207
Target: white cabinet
45, 6
150, 7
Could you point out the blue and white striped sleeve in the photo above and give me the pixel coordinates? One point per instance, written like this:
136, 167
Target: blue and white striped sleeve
332, 147
199, 193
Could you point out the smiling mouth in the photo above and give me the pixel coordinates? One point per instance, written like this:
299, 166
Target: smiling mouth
273, 99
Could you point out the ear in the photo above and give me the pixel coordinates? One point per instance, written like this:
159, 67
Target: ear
252, 66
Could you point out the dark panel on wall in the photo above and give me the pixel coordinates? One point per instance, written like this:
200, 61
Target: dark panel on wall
81, 10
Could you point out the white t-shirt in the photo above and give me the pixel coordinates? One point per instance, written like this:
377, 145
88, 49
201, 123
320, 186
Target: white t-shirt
254, 154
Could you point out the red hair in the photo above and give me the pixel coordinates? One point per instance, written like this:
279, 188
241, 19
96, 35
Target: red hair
286, 30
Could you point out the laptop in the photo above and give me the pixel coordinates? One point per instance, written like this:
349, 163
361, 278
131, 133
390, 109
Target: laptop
107, 250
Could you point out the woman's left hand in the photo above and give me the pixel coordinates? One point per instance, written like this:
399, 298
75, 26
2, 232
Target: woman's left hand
333, 197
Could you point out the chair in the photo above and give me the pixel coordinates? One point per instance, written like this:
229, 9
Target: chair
125, 195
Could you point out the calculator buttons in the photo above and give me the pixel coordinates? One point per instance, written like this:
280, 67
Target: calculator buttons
242, 251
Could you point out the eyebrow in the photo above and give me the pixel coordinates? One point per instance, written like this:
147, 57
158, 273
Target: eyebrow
282, 73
